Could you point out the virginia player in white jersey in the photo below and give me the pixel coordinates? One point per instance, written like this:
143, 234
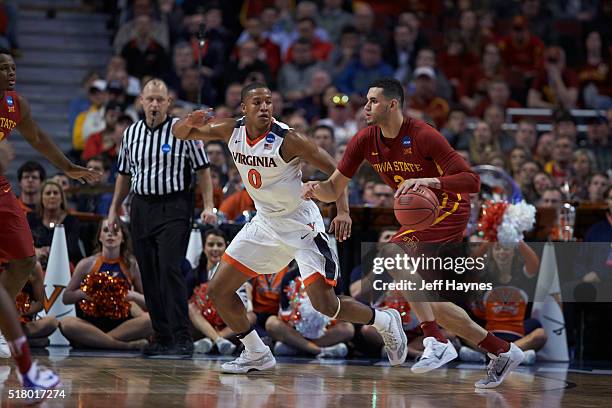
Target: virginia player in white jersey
267, 154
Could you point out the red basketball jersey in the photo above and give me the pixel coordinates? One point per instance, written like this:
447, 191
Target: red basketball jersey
10, 115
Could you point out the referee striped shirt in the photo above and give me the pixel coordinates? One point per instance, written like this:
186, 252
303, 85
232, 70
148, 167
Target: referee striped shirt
158, 162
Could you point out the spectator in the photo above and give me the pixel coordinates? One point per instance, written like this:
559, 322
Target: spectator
295, 77
232, 98
494, 116
247, 63
357, 76
129, 31
97, 202
269, 52
595, 77
560, 165
117, 93
597, 185
474, 85
182, 60
143, 54
333, 19
542, 182
306, 27
401, 53
564, 125
470, 33
455, 130
383, 196
498, 94
115, 70
602, 231
340, 117
91, 120
313, 104
540, 18
483, 145
235, 204
217, 159
323, 136
8, 27
456, 59
103, 141
544, 148
426, 57
555, 85
363, 19
526, 135
598, 140
525, 180
583, 166
267, 290
518, 156
346, 51
52, 211
112, 257
298, 122
425, 98
83, 101
278, 103
195, 86
522, 53
30, 175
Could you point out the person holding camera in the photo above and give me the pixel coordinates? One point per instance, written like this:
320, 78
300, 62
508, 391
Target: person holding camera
555, 85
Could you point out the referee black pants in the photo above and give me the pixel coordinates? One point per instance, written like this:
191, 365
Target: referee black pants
160, 229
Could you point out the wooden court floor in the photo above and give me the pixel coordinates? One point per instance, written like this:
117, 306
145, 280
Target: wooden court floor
95, 379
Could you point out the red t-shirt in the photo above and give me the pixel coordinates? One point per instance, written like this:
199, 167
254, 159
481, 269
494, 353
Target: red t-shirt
541, 84
10, 114
526, 57
418, 151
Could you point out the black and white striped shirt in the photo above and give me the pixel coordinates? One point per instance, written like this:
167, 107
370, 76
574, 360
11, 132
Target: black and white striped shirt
158, 162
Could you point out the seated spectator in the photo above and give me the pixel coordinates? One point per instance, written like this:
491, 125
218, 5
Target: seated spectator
544, 148
312, 104
543, 182
474, 85
598, 141
333, 19
424, 99
426, 57
269, 51
564, 125
363, 19
560, 165
402, 52
495, 118
124, 332
97, 203
513, 272
129, 30
526, 135
182, 60
202, 312
602, 230
383, 196
103, 141
233, 98
218, 160
143, 54
323, 136
247, 63
483, 144
455, 130
115, 70
92, 120
518, 156
498, 94
583, 166
194, 85
551, 198
456, 58
340, 117
345, 52
306, 27
358, 75
522, 53
295, 77
299, 328
235, 204
555, 85
31, 301
470, 34
298, 122
30, 175
525, 180
117, 93
595, 76
597, 185
82, 102
52, 211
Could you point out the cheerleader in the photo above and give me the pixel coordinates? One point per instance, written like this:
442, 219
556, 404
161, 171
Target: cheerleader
119, 326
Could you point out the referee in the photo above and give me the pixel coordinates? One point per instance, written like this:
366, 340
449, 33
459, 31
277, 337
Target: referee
157, 168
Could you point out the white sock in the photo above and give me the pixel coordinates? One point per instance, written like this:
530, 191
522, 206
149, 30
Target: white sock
252, 342
381, 320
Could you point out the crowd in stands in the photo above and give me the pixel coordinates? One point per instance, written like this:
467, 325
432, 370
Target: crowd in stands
463, 65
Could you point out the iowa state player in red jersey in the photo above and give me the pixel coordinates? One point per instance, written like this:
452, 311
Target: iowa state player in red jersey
16, 245
408, 153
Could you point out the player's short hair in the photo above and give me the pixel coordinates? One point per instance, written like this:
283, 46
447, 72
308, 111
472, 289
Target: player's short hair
248, 88
392, 89
29, 167
4, 51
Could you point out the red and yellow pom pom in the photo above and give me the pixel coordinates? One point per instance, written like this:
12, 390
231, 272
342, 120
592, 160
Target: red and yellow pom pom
206, 307
106, 296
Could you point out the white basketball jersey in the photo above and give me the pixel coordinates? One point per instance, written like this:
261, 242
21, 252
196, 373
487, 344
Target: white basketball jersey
274, 185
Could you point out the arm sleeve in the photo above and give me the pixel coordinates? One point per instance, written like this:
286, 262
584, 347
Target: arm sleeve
123, 161
457, 177
197, 155
353, 156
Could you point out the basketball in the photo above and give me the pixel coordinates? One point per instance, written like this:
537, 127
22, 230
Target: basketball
417, 209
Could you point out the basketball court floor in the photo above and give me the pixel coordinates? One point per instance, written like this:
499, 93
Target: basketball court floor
104, 379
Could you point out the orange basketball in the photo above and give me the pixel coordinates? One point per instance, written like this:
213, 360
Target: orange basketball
417, 209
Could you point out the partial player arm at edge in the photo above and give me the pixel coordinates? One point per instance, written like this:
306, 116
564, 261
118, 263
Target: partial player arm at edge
185, 129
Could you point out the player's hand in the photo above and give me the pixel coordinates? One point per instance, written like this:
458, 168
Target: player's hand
341, 226
208, 216
309, 190
414, 184
83, 174
199, 118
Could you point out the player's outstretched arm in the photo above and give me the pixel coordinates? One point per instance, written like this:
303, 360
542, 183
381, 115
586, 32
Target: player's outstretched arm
198, 125
45, 146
